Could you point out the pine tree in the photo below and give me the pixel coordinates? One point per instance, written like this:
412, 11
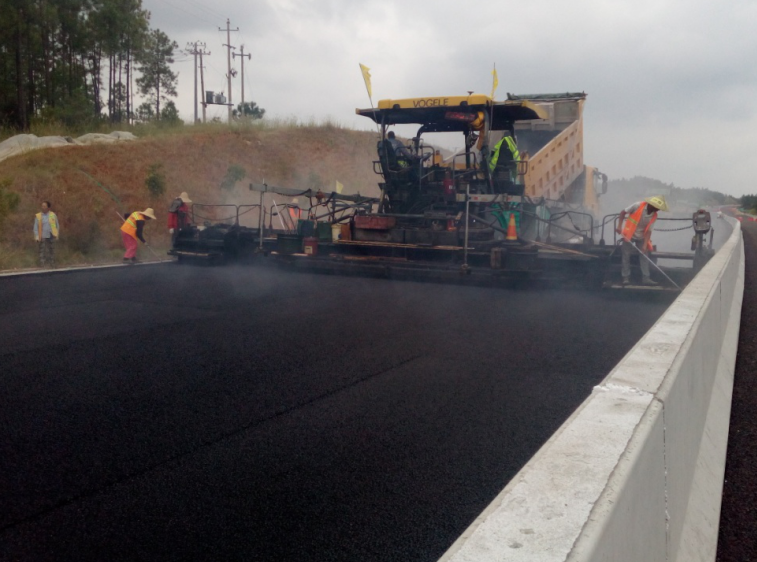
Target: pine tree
53, 54
158, 80
250, 111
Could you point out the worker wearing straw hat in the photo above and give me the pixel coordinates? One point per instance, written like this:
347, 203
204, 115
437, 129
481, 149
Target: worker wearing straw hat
178, 215
132, 230
637, 229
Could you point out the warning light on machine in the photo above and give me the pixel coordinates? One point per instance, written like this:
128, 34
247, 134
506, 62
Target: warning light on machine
459, 116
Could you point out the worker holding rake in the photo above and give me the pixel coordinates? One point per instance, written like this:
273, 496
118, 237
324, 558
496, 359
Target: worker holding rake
132, 230
635, 224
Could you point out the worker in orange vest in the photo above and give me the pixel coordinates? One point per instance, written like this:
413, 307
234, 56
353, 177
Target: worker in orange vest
132, 230
635, 224
295, 213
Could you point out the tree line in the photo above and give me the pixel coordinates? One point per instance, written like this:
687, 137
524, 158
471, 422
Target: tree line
748, 203
692, 195
80, 61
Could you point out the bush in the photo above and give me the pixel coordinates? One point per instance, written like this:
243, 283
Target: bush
84, 237
155, 182
74, 113
233, 174
249, 111
169, 115
8, 200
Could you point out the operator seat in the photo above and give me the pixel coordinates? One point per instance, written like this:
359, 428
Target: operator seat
390, 165
502, 178
387, 157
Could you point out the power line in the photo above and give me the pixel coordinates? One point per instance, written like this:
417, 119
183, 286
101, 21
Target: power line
208, 10
183, 10
220, 74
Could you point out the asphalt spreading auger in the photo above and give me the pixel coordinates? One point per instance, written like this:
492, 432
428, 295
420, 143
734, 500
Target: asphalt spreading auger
496, 213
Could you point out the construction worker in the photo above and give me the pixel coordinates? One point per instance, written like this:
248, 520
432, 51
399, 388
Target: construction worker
406, 160
46, 232
178, 215
404, 156
509, 159
132, 230
295, 213
635, 224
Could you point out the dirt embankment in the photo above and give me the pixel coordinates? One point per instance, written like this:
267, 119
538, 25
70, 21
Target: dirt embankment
89, 185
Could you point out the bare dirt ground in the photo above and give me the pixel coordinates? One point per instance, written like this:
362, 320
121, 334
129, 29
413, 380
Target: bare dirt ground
90, 187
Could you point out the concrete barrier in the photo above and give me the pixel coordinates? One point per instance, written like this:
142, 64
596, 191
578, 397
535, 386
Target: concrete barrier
636, 473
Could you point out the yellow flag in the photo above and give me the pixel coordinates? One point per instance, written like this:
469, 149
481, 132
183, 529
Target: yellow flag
367, 77
339, 187
495, 81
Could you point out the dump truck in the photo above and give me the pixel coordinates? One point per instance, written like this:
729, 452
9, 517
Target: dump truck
553, 148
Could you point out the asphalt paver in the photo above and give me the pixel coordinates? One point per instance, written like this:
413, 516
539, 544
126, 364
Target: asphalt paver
243, 413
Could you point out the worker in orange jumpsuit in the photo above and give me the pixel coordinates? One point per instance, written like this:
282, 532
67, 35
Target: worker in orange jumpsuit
133, 230
635, 224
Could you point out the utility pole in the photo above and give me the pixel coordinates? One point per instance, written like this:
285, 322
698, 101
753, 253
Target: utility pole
202, 87
228, 46
195, 49
130, 82
249, 56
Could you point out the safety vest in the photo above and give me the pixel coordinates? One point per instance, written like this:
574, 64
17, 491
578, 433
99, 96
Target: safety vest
53, 219
632, 223
130, 225
513, 150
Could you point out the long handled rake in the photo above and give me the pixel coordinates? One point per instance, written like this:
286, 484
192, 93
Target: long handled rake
657, 267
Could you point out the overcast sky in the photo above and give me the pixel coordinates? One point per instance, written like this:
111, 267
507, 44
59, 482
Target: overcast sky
671, 84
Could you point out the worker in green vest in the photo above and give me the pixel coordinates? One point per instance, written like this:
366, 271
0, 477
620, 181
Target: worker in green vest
510, 157
46, 232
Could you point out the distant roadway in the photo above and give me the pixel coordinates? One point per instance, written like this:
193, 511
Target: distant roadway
196, 413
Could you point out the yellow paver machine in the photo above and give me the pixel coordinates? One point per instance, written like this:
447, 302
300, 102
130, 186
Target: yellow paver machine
516, 205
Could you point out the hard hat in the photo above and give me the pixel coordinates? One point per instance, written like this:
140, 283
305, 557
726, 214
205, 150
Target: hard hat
657, 201
149, 213
184, 197
294, 201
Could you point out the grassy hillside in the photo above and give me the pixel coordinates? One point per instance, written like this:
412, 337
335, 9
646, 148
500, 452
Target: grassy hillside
192, 159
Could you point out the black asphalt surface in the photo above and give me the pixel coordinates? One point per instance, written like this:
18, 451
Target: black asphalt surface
182, 413
737, 540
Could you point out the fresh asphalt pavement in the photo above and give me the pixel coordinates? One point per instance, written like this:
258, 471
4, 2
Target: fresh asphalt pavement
243, 413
